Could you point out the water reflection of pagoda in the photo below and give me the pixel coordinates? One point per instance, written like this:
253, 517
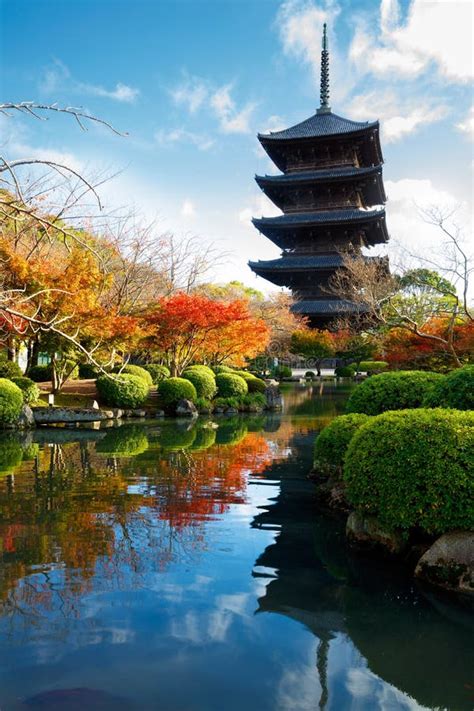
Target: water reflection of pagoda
329, 190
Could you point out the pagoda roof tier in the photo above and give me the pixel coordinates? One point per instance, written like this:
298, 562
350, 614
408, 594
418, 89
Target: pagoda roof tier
275, 186
330, 307
299, 263
285, 230
323, 130
320, 125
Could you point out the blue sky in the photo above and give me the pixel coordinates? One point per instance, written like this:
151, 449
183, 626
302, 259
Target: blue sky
192, 82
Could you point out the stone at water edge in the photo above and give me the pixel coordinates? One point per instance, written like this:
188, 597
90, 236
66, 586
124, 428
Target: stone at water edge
367, 532
273, 397
26, 418
449, 563
186, 408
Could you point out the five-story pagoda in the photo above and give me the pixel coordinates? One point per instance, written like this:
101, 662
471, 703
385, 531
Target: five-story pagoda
331, 194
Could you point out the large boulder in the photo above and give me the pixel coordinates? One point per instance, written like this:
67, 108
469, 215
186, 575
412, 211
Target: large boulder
273, 397
57, 415
449, 563
26, 419
186, 408
367, 532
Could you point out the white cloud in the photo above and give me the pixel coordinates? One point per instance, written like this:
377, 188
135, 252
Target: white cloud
260, 205
467, 126
196, 93
398, 118
181, 135
58, 77
188, 209
409, 48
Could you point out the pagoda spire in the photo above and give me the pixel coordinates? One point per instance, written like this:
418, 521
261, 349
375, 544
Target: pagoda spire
324, 86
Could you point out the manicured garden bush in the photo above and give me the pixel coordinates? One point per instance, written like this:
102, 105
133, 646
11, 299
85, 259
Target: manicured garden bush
158, 372
231, 385
172, 390
256, 385
310, 374
203, 381
131, 369
392, 391
202, 369
40, 373
372, 367
414, 469
222, 369
203, 405
331, 444
11, 401
9, 369
454, 390
226, 402
126, 441
122, 390
282, 371
87, 371
345, 371
28, 387
254, 401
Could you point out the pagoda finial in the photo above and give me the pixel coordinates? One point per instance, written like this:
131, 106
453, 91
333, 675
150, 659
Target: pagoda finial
324, 90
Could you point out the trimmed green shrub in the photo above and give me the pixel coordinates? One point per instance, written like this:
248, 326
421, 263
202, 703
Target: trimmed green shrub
202, 369
87, 371
310, 374
332, 442
222, 369
11, 401
158, 372
230, 385
203, 405
10, 370
372, 367
28, 387
414, 468
282, 371
454, 390
172, 390
392, 391
204, 383
131, 369
40, 373
122, 390
345, 371
127, 441
256, 385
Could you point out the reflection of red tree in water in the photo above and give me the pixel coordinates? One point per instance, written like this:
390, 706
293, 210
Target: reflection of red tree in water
203, 484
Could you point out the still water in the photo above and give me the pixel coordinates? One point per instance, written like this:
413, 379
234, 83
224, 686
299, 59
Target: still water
171, 566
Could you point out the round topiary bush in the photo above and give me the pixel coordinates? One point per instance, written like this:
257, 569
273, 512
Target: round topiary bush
11, 402
122, 390
454, 390
392, 391
256, 385
345, 371
28, 387
282, 371
203, 381
222, 369
87, 371
158, 372
310, 374
202, 369
172, 390
130, 369
371, 367
414, 468
331, 444
9, 369
40, 373
231, 385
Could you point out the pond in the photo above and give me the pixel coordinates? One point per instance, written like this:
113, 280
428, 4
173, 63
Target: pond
178, 566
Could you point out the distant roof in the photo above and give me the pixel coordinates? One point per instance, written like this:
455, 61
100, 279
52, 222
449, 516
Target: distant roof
326, 124
324, 261
321, 217
317, 175
325, 306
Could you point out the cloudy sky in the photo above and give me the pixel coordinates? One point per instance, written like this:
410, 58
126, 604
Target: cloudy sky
193, 81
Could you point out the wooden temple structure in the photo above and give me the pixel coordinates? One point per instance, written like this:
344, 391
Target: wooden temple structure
331, 194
